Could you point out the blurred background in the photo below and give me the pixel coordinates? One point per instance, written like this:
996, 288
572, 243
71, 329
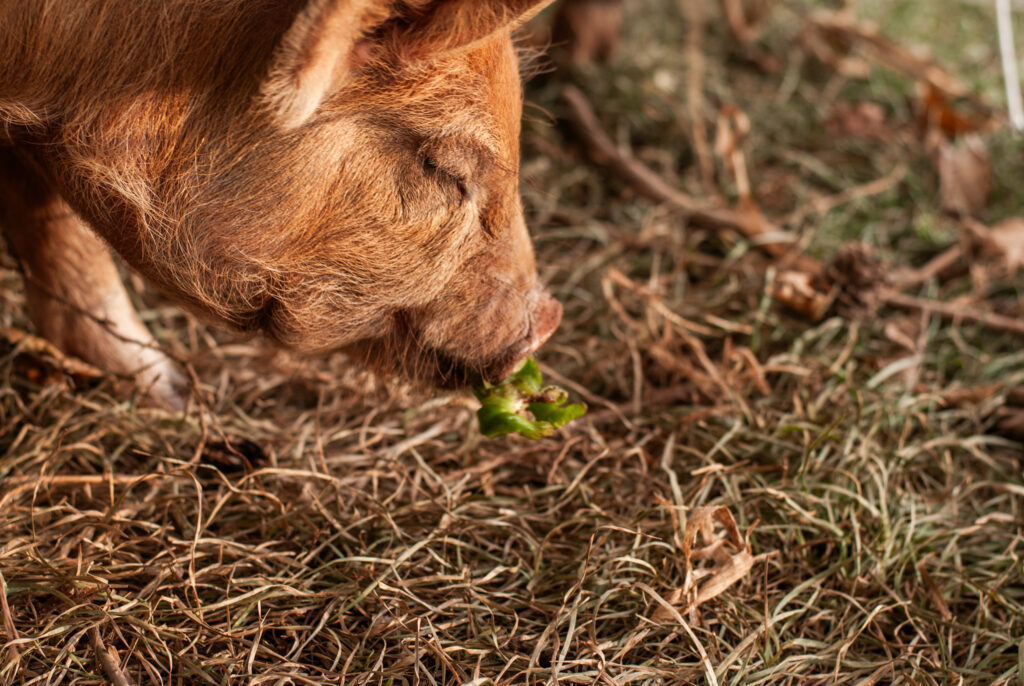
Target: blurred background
787, 235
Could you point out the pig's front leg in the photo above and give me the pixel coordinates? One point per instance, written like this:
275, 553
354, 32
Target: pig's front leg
75, 296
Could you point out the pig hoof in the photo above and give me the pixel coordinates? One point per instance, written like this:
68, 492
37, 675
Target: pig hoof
164, 386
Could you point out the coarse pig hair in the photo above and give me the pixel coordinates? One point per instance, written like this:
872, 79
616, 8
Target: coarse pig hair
205, 141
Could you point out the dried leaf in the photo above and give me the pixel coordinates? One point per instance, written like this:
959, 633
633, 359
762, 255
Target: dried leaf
935, 112
737, 567
965, 174
1006, 239
728, 551
587, 30
796, 291
42, 363
865, 120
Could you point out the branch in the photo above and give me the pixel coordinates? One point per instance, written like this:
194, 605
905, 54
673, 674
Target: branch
750, 223
969, 312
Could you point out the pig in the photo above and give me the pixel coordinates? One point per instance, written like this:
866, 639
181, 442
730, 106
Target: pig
336, 175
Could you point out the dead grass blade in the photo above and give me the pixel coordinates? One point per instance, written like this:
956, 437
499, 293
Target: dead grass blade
10, 632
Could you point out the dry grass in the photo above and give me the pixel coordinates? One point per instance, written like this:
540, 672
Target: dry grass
307, 526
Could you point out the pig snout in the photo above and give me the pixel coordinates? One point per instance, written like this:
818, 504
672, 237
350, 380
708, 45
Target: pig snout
545, 317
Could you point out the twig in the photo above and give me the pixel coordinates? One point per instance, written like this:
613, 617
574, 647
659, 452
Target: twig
40, 346
914, 277
750, 224
1008, 53
823, 205
110, 666
888, 53
970, 313
696, 24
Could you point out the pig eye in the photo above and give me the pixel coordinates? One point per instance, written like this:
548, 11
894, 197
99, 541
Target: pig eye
431, 169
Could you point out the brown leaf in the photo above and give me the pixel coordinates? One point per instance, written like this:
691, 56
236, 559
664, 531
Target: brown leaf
735, 568
796, 291
965, 174
865, 120
42, 363
1006, 239
935, 112
728, 551
587, 31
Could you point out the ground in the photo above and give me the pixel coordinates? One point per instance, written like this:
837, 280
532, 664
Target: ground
309, 523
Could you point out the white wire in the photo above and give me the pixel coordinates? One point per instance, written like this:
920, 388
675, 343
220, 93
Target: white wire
1011, 76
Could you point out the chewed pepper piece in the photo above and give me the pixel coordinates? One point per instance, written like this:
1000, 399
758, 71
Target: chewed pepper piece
522, 404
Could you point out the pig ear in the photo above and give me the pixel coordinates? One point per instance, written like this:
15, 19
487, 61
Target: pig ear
437, 26
324, 45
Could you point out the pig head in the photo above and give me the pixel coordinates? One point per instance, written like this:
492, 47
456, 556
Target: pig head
336, 174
